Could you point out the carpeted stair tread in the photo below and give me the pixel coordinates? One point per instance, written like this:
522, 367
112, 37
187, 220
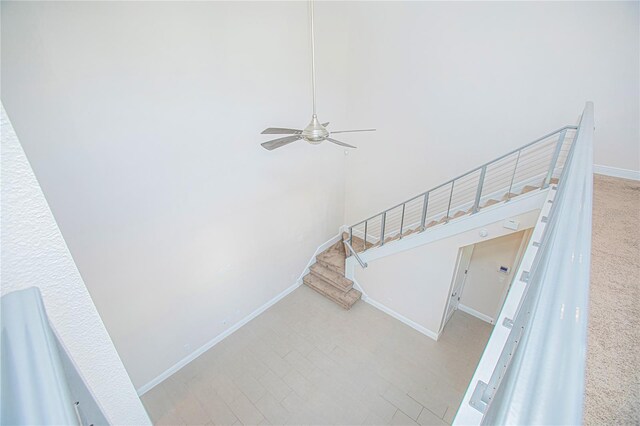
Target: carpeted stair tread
345, 299
333, 258
332, 277
357, 243
528, 188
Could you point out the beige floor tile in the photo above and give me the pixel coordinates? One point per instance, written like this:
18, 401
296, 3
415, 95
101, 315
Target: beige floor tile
250, 387
374, 419
307, 361
159, 406
218, 410
427, 418
380, 406
404, 403
275, 386
192, 412
293, 403
246, 411
400, 418
430, 400
300, 363
226, 388
450, 415
272, 410
300, 385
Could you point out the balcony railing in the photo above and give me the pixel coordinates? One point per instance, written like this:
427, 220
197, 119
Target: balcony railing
539, 375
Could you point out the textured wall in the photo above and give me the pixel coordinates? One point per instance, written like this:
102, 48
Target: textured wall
35, 254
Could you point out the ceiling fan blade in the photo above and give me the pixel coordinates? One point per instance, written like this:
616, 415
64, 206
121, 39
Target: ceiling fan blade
280, 131
351, 131
325, 124
341, 143
277, 143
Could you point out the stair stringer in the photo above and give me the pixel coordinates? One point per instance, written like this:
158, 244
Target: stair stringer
526, 210
505, 210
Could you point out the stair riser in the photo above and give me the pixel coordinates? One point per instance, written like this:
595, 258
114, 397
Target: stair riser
328, 296
342, 288
329, 266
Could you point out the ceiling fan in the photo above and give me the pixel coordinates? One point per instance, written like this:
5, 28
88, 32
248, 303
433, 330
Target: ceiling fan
315, 132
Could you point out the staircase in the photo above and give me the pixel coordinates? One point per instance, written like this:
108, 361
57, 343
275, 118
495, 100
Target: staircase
358, 244
534, 166
326, 276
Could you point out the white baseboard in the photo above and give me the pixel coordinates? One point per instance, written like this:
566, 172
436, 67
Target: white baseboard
403, 319
202, 349
616, 172
476, 314
184, 361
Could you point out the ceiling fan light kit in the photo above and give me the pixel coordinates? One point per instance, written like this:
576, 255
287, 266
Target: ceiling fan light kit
315, 132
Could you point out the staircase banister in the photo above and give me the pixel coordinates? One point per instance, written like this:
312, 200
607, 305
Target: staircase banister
548, 135
355, 254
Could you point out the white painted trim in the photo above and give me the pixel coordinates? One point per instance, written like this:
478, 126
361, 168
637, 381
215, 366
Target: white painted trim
359, 288
403, 319
518, 205
616, 172
184, 361
479, 315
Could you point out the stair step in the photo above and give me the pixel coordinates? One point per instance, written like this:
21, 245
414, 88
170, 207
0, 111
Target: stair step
554, 181
491, 202
445, 219
333, 257
345, 300
332, 277
410, 231
528, 188
460, 213
357, 243
392, 238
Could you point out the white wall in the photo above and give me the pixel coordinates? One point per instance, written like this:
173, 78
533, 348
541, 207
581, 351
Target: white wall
34, 254
142, 122
450, 85
485, 287
416, 283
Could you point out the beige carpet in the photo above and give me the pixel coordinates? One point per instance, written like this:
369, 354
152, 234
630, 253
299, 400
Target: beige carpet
613, 358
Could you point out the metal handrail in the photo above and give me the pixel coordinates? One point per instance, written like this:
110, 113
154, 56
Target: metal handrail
475, 203
355, 254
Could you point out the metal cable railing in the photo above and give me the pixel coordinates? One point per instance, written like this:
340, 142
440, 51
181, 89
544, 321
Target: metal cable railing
532, 166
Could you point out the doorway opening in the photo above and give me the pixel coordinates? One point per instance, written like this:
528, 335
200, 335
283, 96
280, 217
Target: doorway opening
483, 276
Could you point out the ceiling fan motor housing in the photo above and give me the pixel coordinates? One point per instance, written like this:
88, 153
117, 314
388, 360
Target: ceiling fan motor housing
315, 132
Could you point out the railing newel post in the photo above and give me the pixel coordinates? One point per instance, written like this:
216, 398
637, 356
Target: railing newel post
476, 204
425, 205
554, 159
513, 176
453, 182
365, 235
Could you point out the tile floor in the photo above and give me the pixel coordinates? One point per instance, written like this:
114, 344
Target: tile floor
307, 361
